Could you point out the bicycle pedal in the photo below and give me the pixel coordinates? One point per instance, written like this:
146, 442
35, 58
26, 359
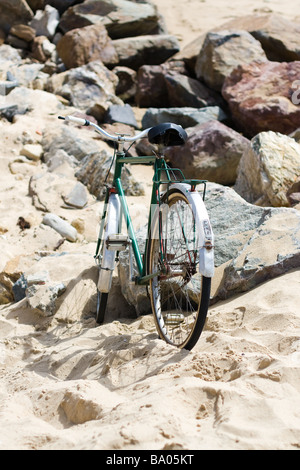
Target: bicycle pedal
117, 242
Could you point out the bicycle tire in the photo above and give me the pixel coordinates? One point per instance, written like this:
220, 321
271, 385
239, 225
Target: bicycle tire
102, 298
180, 296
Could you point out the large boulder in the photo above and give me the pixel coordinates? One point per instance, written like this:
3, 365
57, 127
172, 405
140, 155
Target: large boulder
187, 91
185, 116
268, 169
222, 52
95, 172
212, 152
83, 45
260, 97
252, 243
278, 36
151, 88
153, 49
90, 88
161, 86
45, 21
14, 12
122, 18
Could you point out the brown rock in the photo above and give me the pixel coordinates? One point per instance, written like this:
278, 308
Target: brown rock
23, 31
136, 51
279, 37
212, 152
83, 45
12, 12
260, 97
222, 52
122, 18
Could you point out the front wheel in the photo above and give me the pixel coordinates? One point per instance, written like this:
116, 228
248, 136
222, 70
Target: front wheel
179, 293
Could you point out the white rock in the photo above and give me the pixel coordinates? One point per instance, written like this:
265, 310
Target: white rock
32, 151
61, 226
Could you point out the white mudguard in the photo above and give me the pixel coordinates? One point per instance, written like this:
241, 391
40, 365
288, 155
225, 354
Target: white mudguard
108, 259
206, 236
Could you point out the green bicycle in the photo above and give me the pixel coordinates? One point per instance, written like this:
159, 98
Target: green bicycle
177, 263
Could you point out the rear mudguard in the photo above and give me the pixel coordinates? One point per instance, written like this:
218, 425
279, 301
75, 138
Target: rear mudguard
206, 236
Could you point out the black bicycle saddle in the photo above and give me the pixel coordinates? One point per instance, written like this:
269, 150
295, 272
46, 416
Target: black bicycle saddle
167, 134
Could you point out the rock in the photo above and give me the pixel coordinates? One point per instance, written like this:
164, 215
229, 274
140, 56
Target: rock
273, 250
77, 197
78, 273
14, 12
136, 51
168, 85
45, 21
19, 288
42, 49
60, 5
5, 297
61, 162
252, 243
90, 88
8, 56
95, 170
126, 88
10, 111
16, 42
278, 36
260, 95
185, 116
42, 298
83, 45
186, 91
49, 190
268, 169
67, 142
121, 114
122, 18
26, 99
32, 151
61, 226
23, 31
37, 4
296, 135
27, 74
222, 52
151, 87
212, 152
6, 86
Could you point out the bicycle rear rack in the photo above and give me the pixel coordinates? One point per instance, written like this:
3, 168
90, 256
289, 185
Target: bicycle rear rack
175, 175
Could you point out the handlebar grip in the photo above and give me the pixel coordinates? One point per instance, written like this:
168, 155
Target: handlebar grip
82, 122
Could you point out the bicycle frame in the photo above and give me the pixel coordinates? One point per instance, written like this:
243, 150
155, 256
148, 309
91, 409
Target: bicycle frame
117, 188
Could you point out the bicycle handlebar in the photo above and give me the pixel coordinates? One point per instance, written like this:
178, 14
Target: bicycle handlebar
118, 138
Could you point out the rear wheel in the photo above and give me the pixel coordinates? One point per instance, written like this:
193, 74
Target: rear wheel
179, 293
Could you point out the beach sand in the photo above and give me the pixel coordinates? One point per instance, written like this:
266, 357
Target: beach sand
66, 384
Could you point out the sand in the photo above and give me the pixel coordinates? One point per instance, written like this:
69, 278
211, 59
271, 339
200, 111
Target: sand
66, 384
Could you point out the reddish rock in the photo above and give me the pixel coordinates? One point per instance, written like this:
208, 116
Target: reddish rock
261, 95
83, 45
